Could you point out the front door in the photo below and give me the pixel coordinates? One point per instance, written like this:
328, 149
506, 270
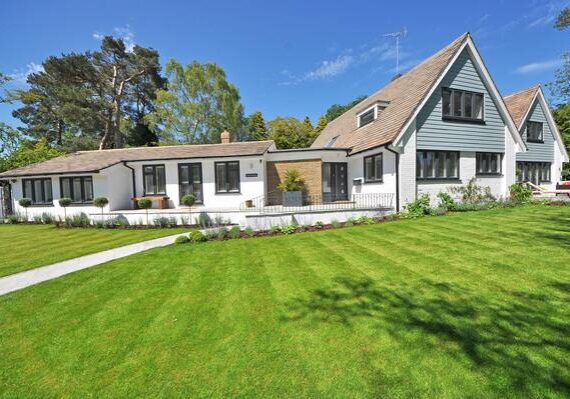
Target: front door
335, 187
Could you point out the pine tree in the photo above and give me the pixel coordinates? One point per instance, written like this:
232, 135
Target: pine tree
321, 124
256, 128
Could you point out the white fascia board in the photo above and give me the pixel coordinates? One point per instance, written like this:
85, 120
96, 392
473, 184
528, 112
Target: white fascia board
551, 122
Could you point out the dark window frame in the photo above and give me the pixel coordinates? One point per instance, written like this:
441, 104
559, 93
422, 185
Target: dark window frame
71, 192
488, 172
155, 180
540, 138
227, 175
33, 195
455, 118
542, 167
374, 179
435, 177
190, 164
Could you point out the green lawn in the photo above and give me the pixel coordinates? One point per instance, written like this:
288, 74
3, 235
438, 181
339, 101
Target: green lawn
468, 305
24, 247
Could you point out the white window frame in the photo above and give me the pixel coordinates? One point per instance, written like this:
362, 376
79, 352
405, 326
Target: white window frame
378, 106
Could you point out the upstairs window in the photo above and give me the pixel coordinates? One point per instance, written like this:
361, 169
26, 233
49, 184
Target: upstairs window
367, 117
79, 189
534, 132
488, 163
154, 180
373, 168
462, 105
38, 190
437, 165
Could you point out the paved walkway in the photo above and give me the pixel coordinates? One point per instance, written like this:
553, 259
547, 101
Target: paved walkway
21, 280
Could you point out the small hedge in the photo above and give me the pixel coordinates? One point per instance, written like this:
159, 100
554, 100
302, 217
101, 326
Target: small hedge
197, 236
182, 240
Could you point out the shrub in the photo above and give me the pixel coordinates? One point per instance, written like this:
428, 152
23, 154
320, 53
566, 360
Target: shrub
520, 192
221, 233
336, 224
101, 202
81, 220
301, 228
319, 225
364, 220
25, 203
446, 200
197, 236
292, 181
181, 240
14, 219
211, 234
419, 207
438, 211
64, 203
146, 204
235, 232
47, 218
349, 223
472, 193
275, 229
249, 232
37, 219
289, 229
204, 220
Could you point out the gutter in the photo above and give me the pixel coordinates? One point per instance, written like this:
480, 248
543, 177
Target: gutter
133, 178
397, 177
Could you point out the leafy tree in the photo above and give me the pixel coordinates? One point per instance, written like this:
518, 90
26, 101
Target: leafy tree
255, 127
560, 88
562, 118
142, 135
28, 153
90, 95
337, 110
9, 137
198, 105
321, 124
563, 19
307, 126
289, 133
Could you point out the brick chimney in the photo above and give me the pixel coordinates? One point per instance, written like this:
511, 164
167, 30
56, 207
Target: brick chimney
225, 136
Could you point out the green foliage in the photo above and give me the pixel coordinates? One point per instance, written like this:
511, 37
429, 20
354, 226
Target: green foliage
182, 240
446, 200
364, 220
319, 225
520, 192
563, 19
292, 181
197, 106
289, 229
14, 219
560, 87
188, 200
144, 203
349, 223
321, 124
100, 202
438, 211
256, 127
249, 232
235, 232
81, 220
64, 202
289, 132
140, 135
29, 153
197, 236
221, 233
275, 229
25, 202
336, 224
337, 110
472, 193
164, 222
417, 208
562, 118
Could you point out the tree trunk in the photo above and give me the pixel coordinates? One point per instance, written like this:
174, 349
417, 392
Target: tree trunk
119, 143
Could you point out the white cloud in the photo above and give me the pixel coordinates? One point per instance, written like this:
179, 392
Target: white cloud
20, 76
122, 32
539, 66
330, 69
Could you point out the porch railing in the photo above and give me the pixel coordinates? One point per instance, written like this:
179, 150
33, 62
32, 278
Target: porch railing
272, 203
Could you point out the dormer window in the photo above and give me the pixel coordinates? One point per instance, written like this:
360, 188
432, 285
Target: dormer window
369, 114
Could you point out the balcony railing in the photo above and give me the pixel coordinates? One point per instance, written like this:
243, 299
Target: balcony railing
273, 203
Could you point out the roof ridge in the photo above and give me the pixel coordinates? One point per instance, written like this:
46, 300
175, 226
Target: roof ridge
535, 87
170, 146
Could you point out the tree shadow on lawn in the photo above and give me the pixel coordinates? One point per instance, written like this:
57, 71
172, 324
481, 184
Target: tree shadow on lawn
526, 335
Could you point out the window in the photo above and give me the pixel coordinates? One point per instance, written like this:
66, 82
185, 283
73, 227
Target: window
190, 180
534, 132
38, 190
227, 177
331, 142
489, 163
79, 189
373, 168
437, 165
367, 117
534, 172
463, 105
154, 180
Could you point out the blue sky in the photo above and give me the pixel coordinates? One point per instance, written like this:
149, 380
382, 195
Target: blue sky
289, 57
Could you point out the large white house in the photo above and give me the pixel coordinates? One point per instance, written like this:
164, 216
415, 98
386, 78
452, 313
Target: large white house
435, 127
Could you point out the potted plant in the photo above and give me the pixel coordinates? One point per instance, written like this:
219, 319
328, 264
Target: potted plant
25, 203
189, 201
292, 188
64, 203
101, 202
146, 204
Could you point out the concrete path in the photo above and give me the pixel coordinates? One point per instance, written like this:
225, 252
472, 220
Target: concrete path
21, 280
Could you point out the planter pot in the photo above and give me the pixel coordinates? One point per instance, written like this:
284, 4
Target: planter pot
249, 204
292, 198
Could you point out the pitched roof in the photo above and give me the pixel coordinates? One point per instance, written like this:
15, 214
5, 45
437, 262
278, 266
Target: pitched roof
404, 95
519, 103
93, 161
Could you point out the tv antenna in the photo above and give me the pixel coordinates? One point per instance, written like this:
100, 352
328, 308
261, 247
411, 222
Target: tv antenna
397, 35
